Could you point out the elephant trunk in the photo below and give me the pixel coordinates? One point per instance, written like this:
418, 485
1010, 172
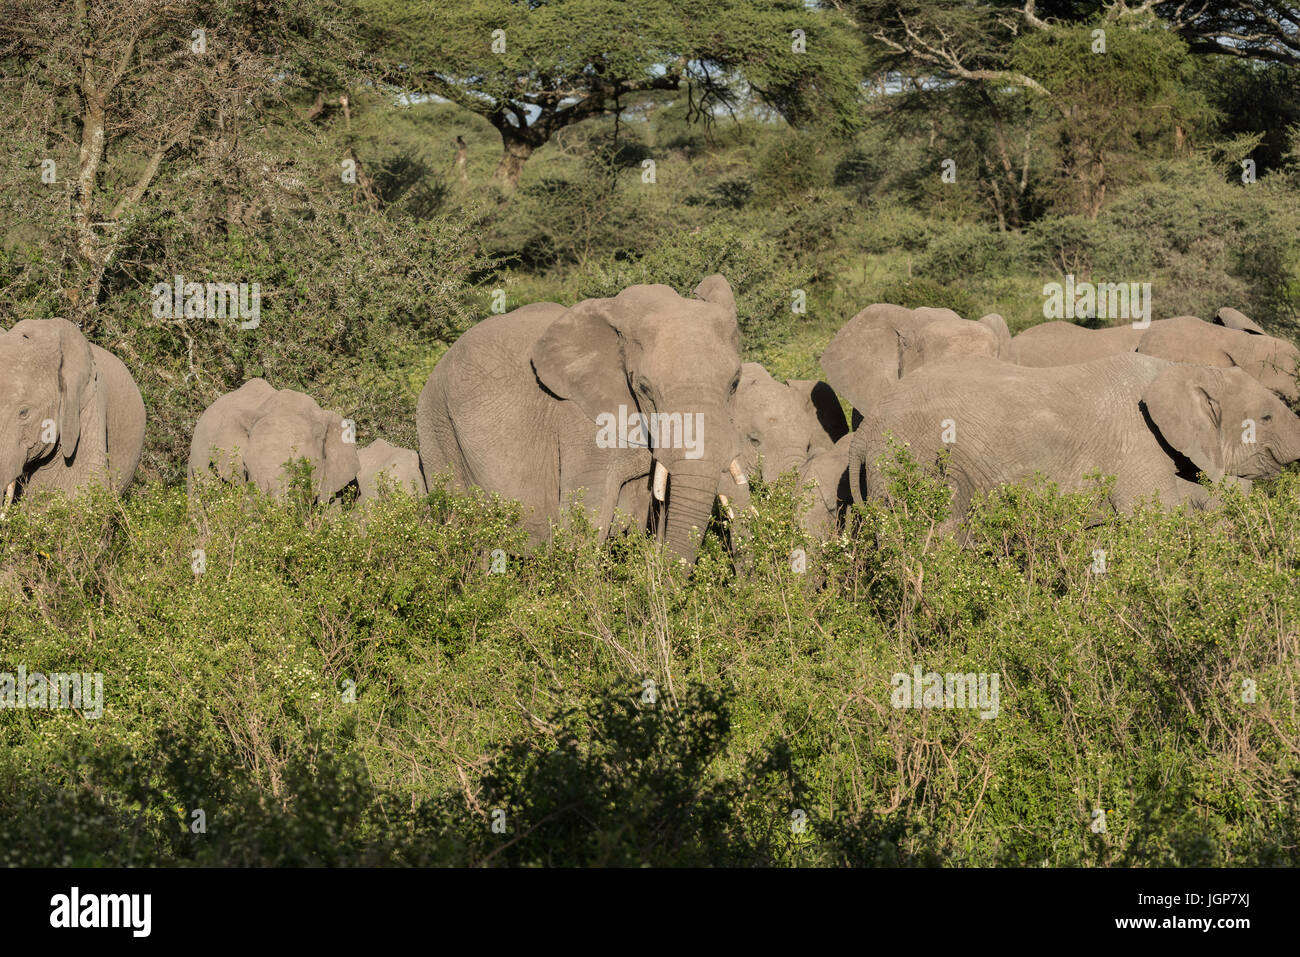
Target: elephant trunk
793, 462
857, 454
693, 485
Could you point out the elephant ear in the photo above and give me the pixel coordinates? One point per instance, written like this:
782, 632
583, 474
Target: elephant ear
824, 405
341, 460
717, 290
1233, 319
580, 358
76, 375
862, 360
1183, 404
998, 326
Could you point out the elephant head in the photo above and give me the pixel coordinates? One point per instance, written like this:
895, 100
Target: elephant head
1223, 421
1270, 361
779, 425
1233, 319
944, 340
884, 342
401, 466
252, 433
672, 360
52, 412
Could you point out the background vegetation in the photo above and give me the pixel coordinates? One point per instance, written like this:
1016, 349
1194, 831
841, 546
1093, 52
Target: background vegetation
524, 691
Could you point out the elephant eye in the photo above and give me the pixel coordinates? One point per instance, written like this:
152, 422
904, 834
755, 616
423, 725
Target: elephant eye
1267, 417
24, 414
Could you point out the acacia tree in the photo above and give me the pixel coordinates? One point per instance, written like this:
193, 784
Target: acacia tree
1104, 81
533, 68
107, 101
1251, 29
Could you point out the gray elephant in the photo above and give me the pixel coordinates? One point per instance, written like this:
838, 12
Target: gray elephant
829, 469
1060, 343
780, 424
883, 342
1231, 341
71, 416
1233, 319
401, 467
604, 399
780, 427
252, 433
1152, 423
1270, 361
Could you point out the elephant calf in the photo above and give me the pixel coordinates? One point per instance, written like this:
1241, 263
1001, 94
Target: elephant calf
1153, 423
781, 427
252, 433
400, 466
70, 413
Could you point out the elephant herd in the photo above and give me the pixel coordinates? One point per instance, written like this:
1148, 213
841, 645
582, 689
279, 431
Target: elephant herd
638, 408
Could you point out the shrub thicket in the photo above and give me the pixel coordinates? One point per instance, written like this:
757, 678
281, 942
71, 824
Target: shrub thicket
1160, 691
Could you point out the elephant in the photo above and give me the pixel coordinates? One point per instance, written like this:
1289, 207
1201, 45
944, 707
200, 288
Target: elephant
71, 413
779, 425
1233, 319
401, 466
1231, 341
780, 428
1060, 343
1270, 361
1152, 422
610, 396
883, 342
252, 433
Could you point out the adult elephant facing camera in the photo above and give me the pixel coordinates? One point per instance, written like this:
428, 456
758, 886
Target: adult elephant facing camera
532, 405
1152, 423
70, 413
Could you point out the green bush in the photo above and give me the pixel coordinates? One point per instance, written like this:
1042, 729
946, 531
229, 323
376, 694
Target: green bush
761, 276
334, 694
926, 292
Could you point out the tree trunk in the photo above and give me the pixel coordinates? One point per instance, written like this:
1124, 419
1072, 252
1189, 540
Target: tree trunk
462, 159
514, 154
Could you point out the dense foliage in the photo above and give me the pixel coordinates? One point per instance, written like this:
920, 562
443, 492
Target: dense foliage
328, 697
344, 689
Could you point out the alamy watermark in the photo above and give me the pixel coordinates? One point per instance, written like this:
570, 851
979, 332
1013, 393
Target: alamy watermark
208, 300
38, 691
1105, 300
669, 430
934, 690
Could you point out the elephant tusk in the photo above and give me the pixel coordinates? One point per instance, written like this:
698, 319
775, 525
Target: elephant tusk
726, 507
737, 473
9, 498
661, 481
